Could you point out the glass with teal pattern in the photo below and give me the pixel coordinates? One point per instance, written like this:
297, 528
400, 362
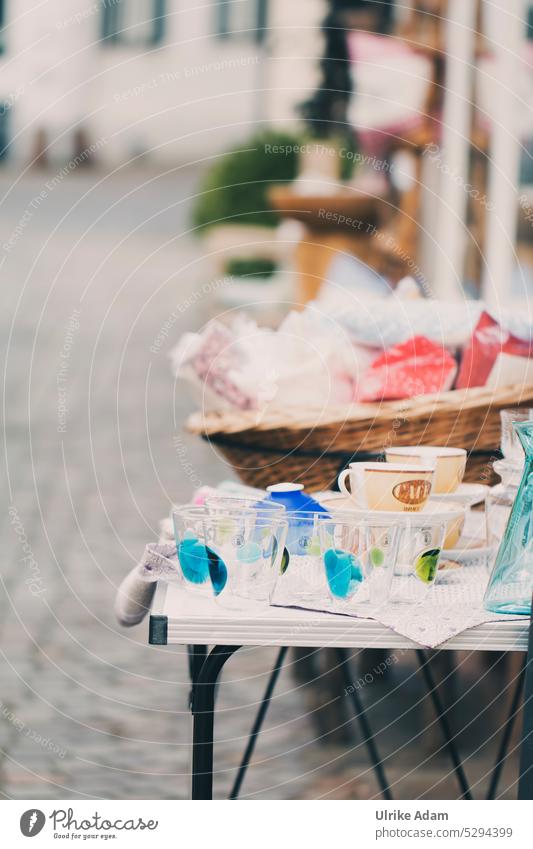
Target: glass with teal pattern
244, 550
191, 551
359, 556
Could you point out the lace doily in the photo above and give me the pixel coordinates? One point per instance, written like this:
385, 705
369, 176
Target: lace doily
451, 607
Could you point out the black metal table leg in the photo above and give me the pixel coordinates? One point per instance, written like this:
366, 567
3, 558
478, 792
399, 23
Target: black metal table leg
197, 655
259, 719
525, 778
205, 669
506, 736
368, 737
440, 710
203, 708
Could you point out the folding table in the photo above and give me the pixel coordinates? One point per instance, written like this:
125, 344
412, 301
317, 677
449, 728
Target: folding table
179, 618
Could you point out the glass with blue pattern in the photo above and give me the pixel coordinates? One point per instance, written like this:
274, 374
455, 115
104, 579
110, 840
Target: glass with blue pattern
358, 557
244, 550
190, 548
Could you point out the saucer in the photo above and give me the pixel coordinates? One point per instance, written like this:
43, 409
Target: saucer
466, 493
470, 551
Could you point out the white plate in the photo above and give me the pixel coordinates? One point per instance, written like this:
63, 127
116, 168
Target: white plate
466, 493
430, 515
470, 552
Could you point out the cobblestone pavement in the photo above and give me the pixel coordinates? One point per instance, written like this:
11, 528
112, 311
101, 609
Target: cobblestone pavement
91, 271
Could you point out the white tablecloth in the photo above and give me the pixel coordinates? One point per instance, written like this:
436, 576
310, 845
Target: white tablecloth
453, 605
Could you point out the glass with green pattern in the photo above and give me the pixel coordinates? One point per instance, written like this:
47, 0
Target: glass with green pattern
420, 546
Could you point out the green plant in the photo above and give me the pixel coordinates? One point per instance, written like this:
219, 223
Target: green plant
235, 188
256, 266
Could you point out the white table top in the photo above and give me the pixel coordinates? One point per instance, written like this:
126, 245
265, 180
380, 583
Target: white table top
180, 618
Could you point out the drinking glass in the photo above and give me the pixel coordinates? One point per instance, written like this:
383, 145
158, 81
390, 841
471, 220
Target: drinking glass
358, 557
301, 572
510, 444
419, 550
217, 504
191, 552
244, 550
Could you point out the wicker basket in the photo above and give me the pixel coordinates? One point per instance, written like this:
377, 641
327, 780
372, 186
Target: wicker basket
311, 446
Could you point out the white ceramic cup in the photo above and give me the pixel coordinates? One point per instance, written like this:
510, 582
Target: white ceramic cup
449, 463
388, 486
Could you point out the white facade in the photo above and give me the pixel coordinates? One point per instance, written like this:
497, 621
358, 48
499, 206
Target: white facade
189, 96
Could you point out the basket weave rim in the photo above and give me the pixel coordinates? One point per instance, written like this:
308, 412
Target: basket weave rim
456, 400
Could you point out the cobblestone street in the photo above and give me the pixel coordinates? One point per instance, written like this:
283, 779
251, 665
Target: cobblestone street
90, 274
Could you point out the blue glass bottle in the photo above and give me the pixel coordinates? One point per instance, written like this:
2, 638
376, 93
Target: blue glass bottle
511, 582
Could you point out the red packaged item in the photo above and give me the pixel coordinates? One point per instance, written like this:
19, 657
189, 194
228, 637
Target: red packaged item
489, 339
416, 367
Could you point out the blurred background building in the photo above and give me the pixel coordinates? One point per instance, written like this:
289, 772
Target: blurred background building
157, 78
160, 83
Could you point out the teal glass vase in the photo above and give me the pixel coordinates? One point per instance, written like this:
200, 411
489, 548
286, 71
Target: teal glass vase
511, 582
